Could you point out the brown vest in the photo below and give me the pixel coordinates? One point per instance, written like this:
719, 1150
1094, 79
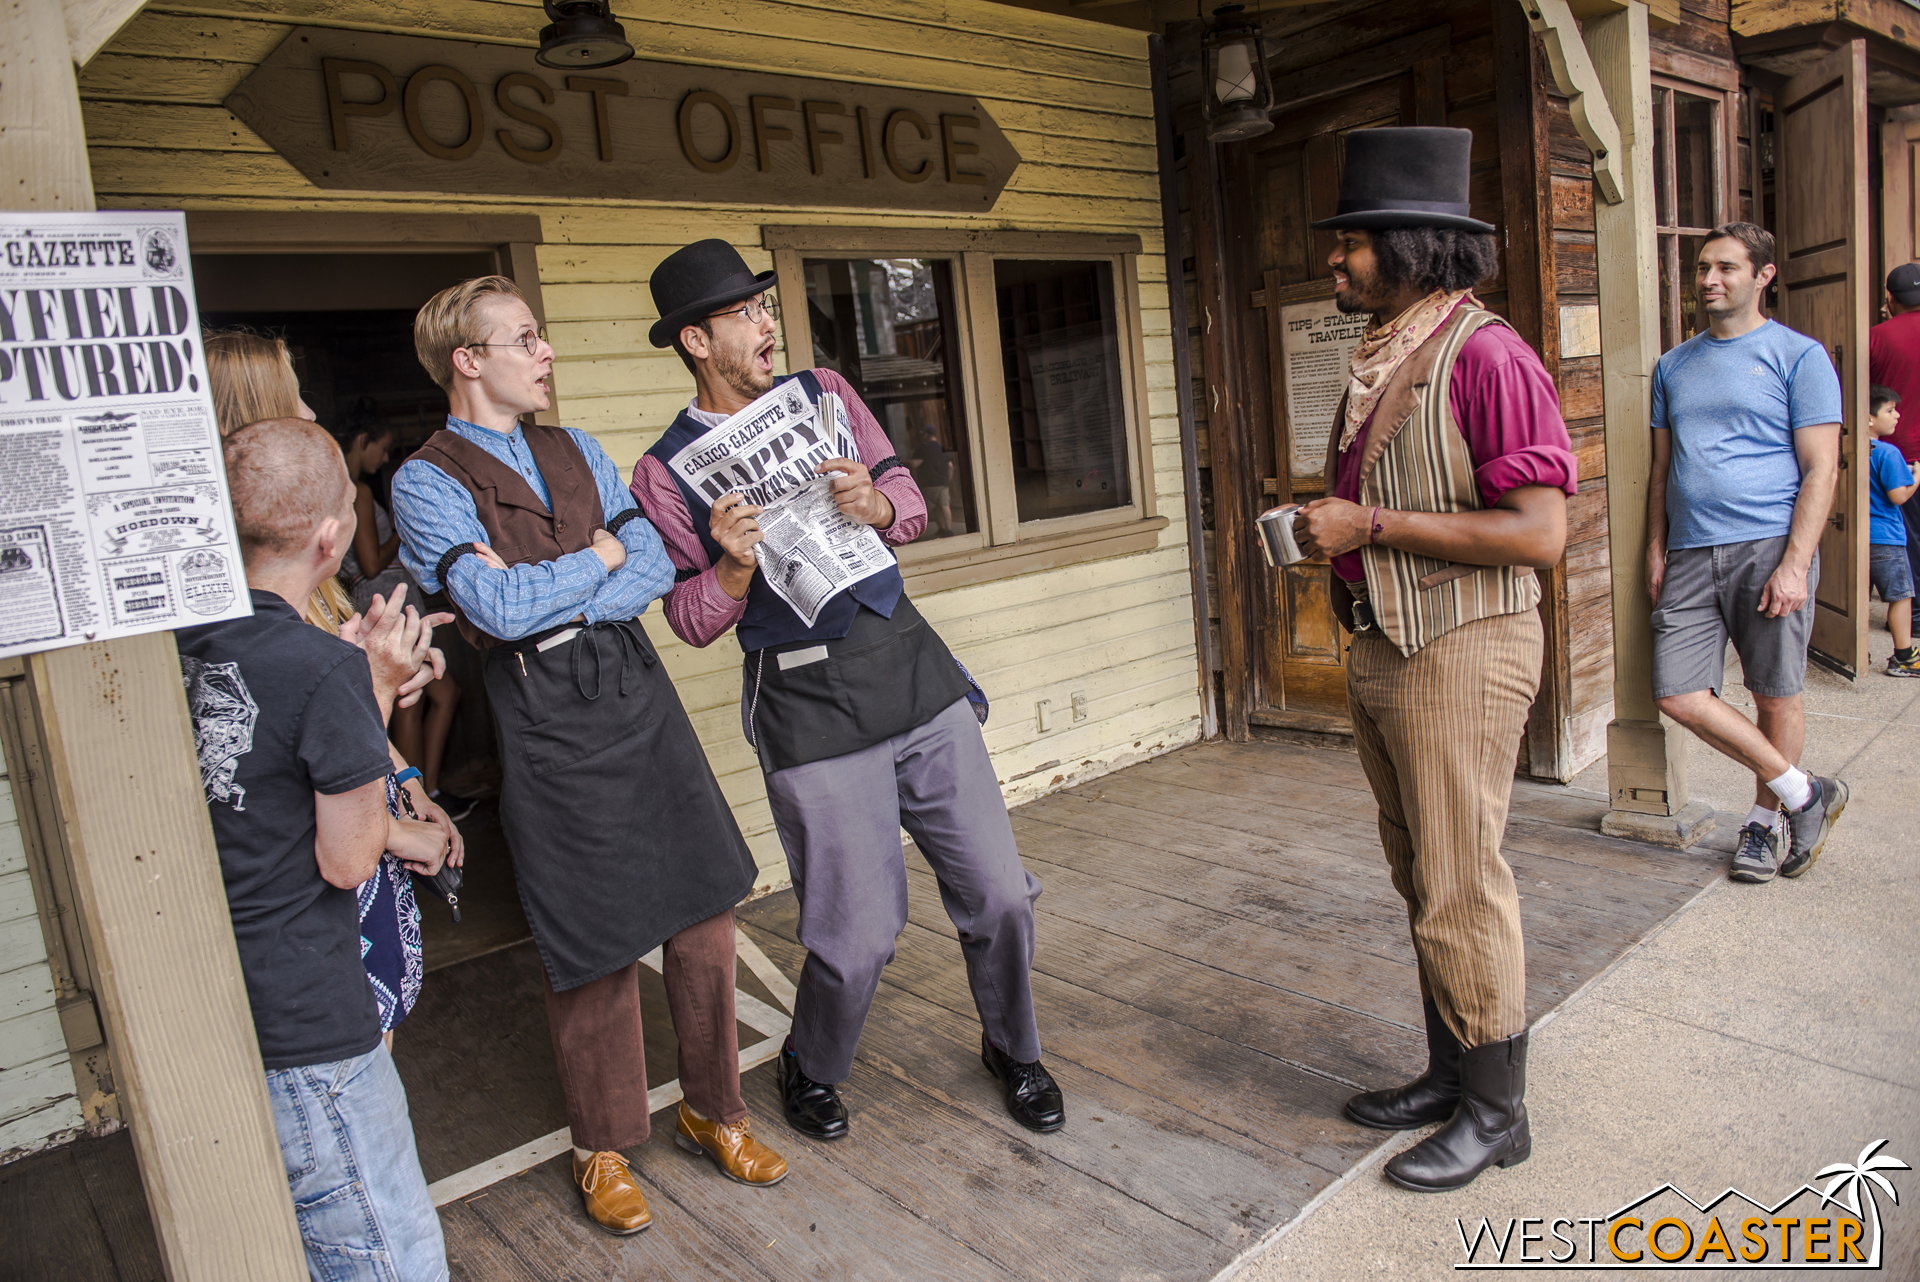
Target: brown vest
519, 526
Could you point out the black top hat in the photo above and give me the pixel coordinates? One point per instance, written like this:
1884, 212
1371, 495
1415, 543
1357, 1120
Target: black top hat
1405, 178
692, 281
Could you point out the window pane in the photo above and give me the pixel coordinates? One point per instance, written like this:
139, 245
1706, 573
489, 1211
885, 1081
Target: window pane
887, 326
1680, 314
1695, 179
1060, 350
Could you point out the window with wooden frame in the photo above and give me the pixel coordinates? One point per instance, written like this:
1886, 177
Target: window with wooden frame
1008, 371
1693, 193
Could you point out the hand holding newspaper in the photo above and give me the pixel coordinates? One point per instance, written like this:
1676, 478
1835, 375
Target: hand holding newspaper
809, 551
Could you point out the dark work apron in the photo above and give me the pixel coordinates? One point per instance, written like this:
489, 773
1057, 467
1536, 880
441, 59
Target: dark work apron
885, 677
619, 833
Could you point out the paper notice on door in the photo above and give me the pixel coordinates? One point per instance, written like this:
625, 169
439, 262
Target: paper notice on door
114, 513
1317, 342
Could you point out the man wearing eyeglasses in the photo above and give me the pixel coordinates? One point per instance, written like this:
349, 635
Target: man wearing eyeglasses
621, 839
863, 721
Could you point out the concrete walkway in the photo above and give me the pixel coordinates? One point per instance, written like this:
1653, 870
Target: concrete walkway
1763, 1033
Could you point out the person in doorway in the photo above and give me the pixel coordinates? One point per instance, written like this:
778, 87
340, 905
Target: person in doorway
621, 839
902, 749
1889, 484
372, 568
294, 758
933, 470
1449, 471
1893, 362
1746, 449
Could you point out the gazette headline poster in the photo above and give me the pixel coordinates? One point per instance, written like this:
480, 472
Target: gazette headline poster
114, 515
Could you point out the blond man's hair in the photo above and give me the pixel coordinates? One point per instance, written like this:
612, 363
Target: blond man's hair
251, 377
451, 319
287, 476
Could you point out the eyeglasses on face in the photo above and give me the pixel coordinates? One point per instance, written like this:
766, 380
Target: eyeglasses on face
528, 340
753, 309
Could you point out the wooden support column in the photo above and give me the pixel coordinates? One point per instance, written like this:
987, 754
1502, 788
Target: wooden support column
134, 817
1646, 757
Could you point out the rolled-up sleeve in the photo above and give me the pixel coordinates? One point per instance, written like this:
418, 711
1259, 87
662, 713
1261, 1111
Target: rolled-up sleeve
1504, 403
897, 483
698, 609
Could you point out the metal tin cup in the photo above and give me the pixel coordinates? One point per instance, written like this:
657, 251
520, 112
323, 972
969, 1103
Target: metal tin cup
1276, 535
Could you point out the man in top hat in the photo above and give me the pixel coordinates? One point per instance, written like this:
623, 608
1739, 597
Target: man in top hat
621, 839
1449, 470
1893, 360
863, 721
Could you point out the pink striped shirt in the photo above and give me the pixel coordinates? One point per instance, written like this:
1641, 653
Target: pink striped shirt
698, 609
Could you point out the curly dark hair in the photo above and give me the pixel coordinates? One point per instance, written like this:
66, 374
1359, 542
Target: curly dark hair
1430, 258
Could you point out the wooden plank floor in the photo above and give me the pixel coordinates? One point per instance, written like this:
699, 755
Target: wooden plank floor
1221, 962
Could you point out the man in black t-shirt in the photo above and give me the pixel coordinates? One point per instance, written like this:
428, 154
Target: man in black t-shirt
293, 754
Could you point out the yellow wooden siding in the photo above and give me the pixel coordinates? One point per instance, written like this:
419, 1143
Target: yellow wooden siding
36, 1075
1074, 98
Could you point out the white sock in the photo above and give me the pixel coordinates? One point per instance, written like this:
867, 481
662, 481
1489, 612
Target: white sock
1762, 815
584, 1154
1795, 788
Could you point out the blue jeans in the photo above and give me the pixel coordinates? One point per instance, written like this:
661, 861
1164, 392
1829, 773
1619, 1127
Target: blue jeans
357, 1189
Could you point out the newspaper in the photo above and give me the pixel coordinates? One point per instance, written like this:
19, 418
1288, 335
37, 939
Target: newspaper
114, 516
809, 552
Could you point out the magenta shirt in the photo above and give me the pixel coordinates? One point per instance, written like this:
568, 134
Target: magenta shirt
698, 609
1505, 405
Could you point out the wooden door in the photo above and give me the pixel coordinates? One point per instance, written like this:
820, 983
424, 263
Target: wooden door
1821, 118
1287, 179
1900, 195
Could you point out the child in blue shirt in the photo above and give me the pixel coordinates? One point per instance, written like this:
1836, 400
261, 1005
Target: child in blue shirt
1890, 483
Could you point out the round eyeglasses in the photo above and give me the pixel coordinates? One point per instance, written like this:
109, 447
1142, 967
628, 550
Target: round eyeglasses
753, 309
529, 341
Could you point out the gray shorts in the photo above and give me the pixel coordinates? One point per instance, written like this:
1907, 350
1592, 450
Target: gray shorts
1712, 596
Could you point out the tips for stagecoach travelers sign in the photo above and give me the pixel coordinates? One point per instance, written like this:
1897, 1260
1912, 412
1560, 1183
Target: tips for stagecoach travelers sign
114, 516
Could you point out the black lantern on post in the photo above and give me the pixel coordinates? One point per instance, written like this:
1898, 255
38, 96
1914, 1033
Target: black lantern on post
1239, 93
583, 34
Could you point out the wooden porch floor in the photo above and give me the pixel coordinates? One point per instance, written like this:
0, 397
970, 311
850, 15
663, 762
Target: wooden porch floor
1221, 962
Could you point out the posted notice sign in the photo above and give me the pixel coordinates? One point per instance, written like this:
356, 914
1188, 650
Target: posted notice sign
114, 516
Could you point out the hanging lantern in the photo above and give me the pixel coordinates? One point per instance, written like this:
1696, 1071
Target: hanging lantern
1239, 93
583, 34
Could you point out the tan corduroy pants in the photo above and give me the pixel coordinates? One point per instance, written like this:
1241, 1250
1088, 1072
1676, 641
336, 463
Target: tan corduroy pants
1438, 735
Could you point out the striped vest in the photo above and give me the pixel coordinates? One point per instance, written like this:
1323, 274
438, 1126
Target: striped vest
1416, 460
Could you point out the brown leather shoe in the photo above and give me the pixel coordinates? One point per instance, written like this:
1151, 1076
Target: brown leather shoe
733, 1149
613, 1199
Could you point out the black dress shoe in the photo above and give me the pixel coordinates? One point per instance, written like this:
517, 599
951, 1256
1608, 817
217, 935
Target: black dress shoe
1489, 1127
813, 1108
1033, 1097
1431, 1097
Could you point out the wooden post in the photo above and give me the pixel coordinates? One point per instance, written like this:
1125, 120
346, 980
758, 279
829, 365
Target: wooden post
1646, 757
120, 745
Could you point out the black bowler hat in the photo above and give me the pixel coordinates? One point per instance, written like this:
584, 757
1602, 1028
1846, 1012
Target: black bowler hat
1405, 178
1903, 282
691, 282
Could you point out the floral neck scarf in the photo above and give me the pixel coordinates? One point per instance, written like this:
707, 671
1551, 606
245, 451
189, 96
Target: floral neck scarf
1383, 347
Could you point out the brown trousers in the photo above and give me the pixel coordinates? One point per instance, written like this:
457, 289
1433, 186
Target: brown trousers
603, 1060
1439, 734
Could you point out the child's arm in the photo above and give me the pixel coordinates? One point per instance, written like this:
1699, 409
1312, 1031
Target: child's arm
1901, 495
350, 831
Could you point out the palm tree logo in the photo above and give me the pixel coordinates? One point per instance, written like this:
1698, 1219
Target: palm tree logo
1851, 1179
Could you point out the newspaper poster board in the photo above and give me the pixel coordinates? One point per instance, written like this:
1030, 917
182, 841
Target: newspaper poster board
114, 514
1083, 433
1316, 343
809, 552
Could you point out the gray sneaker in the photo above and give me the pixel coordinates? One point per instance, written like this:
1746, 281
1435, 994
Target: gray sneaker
1808, 826
1758, 856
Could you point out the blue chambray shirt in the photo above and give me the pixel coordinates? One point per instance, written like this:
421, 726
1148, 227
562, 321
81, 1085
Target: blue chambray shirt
433, 512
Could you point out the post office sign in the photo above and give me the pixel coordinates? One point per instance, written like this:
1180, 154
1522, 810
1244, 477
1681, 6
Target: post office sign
363, 111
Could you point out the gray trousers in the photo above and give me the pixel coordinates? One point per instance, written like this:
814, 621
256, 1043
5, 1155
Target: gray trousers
840, 822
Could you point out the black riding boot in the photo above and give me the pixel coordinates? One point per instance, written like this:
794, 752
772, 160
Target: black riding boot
1431, 1097
1490, 1125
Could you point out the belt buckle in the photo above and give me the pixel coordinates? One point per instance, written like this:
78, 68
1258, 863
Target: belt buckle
1364, 623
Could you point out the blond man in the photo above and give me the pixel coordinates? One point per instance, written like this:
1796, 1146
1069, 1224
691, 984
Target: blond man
621, 839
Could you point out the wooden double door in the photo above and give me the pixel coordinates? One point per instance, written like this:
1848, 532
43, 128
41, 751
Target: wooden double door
1290, 348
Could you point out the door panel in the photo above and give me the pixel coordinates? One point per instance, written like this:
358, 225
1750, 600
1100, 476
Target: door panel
1821, 116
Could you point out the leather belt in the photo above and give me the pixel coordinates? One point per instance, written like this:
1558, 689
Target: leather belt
1364, 622
559, 638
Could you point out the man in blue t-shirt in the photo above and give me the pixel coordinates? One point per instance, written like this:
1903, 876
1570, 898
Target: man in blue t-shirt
1746, 449
1889, 484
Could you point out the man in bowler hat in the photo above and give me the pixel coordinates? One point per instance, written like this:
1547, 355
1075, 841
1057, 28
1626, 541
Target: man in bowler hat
863, 721
1448, 476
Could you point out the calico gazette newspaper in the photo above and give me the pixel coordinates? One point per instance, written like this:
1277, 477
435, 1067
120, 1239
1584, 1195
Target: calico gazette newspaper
114, 517
809, 551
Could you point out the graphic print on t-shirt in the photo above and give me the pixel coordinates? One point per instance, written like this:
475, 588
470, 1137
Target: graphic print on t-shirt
223, 713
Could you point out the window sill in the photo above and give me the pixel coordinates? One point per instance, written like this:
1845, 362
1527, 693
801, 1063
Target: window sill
938, 572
